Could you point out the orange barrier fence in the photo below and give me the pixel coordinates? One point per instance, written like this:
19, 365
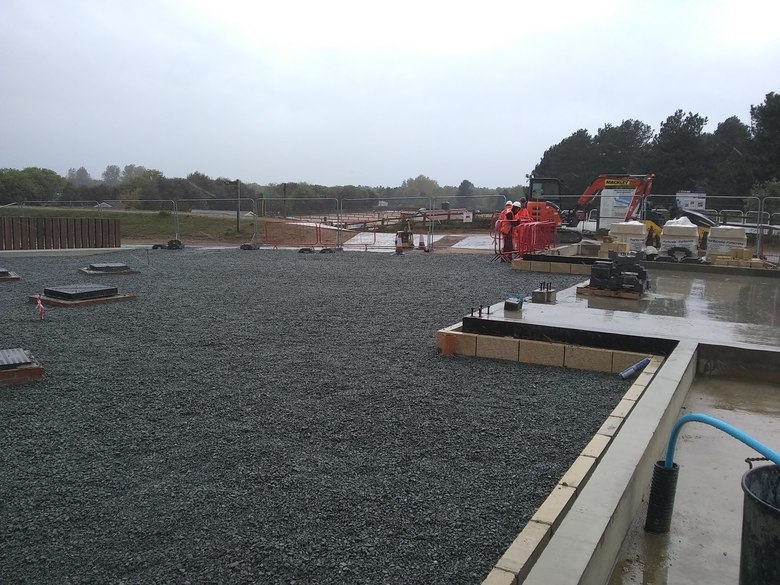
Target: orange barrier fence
523, 238
533, 236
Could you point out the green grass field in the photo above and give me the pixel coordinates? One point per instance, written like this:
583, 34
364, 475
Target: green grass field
153, 224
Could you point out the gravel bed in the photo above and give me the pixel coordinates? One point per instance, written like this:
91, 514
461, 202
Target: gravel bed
275, 417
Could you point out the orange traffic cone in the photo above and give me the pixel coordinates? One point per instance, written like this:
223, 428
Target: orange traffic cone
422, 243
399, 245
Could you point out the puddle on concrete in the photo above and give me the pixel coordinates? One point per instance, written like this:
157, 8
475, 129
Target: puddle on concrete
713, 297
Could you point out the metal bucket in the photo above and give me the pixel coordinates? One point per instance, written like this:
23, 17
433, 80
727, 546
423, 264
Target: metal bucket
760, 556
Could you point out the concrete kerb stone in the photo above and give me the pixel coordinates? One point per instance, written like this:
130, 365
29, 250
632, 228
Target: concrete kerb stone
583, 269
634, 393
453, 341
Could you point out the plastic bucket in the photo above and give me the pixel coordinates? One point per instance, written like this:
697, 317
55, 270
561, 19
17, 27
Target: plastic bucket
760, 553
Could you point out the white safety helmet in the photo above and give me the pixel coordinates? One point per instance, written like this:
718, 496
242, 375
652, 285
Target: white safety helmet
508, 203
516, 204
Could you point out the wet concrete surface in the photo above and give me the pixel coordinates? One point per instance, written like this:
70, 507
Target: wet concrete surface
733, 316
703, 545
710, 308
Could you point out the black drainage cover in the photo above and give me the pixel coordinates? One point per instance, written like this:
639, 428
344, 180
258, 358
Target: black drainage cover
80, 292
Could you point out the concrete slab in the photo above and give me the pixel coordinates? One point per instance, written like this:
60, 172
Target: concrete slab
704, 319
703, 545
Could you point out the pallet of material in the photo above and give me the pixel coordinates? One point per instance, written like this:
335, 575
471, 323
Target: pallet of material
588, 290
737, 262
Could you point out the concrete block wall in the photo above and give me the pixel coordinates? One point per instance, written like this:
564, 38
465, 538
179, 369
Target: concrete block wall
590, 535
553, 267
452, 341
517, 561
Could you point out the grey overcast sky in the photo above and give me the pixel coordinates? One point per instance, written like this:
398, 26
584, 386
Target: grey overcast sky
362, 92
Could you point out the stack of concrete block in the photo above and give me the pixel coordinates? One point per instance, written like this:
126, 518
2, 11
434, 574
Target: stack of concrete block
739, 258
633, 233
608, 245
679, 234
725, 238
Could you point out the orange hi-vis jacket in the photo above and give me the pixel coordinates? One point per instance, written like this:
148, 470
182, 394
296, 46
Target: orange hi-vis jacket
503, 224
522, 215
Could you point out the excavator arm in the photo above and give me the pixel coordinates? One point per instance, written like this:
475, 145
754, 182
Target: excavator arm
640, 183
641, 191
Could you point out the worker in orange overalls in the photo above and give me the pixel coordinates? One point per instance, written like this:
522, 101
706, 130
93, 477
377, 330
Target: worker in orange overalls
504, 227
520, 211
517, 215
501, 214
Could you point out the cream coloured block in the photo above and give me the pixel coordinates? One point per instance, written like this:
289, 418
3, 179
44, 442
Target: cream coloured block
596, 447
456, 343
583, 269
644, 378
499, 348
560, 267
541, 352
625, 359
520, 265
500, 577
623, 408
610, 426
555, 506
538, 266
634, 393
579, 472
588, 358
525, 549
655, 363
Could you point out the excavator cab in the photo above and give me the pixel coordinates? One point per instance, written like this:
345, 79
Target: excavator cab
545, 189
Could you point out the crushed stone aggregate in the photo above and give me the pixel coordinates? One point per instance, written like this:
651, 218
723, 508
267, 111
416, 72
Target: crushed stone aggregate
275, 417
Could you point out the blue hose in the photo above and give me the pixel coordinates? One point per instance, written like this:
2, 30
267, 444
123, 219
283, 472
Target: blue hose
725, 427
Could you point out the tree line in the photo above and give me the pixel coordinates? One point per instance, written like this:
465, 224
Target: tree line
734, 160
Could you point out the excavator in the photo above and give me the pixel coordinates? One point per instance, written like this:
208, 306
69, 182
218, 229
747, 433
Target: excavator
545, 200
641, 184
545, 193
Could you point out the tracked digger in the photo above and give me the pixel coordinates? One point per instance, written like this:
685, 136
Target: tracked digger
545, 200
